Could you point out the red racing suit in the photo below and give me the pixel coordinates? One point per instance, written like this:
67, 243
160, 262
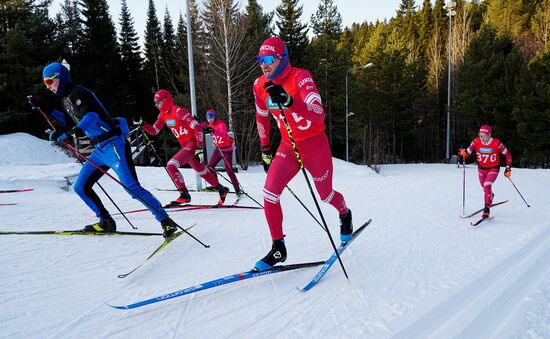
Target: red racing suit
488, 163
189, 134
306, 120
223, 144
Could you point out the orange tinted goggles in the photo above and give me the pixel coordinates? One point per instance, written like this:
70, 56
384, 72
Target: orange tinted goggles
49, 81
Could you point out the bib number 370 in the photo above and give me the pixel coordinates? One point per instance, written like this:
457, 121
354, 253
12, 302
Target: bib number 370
485, 158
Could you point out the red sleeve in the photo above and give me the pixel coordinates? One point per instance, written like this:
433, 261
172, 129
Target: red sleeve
221, 128
506, 153
183, 114
472, 147
309, 104
155, 128
262, 118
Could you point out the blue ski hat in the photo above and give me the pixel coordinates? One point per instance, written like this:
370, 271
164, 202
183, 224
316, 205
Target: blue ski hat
211, 114
56, 70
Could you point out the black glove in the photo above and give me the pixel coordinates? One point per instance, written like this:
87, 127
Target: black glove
278, 94
39, 104
137, 121
34, 102
208, 129
267, 157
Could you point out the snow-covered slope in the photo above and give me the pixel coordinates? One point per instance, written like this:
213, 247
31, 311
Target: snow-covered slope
418, 271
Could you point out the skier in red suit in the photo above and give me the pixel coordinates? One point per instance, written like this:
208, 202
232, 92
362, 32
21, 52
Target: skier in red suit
487, 149
294, 89
224, 145
189, 134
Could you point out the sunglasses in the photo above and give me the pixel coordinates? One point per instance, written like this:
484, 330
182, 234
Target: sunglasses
158, 102
483, 136
49, 81
266, 59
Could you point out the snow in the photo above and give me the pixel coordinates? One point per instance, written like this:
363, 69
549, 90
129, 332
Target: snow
418, 271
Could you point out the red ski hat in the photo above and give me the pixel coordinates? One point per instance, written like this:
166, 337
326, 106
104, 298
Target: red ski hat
485, 129
273, 46
166, 98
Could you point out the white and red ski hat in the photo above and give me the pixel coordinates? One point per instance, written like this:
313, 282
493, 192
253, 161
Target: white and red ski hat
273, 46
485, 129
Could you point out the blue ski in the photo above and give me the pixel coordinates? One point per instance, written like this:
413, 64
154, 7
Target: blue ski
328, 264
218, 282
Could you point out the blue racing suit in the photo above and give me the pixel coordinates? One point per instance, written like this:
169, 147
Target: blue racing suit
112, 150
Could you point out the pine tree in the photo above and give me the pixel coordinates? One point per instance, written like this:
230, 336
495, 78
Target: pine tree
27, 37
181, 61
292, 31
152, 45
258, 23
327, 27
533, 114
426, 26
168, 54
485, 90
69, 29
99, 64
131, 61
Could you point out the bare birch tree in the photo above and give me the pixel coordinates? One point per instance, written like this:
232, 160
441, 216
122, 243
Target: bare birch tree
228, 55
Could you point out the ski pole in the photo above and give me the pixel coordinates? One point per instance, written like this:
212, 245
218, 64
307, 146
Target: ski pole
229, 181
78, 154
304, 206
519, 192
463, 186
294, 146
101, 187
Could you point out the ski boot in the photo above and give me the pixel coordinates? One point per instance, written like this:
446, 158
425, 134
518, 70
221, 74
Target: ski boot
169, 227
184, 198
486, 212
276, 255
222, 190
346, 226
107, 225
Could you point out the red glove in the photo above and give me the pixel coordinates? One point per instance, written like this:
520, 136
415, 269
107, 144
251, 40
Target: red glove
462, 152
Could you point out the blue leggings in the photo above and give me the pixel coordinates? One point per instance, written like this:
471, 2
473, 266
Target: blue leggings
114, 154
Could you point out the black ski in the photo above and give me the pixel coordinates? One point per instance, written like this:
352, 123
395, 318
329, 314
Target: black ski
17, 191
480, 221
481, 210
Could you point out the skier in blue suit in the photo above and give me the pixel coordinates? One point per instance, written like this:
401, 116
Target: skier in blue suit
84, 113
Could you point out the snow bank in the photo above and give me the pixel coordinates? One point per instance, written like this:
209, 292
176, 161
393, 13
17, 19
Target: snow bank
25, 149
